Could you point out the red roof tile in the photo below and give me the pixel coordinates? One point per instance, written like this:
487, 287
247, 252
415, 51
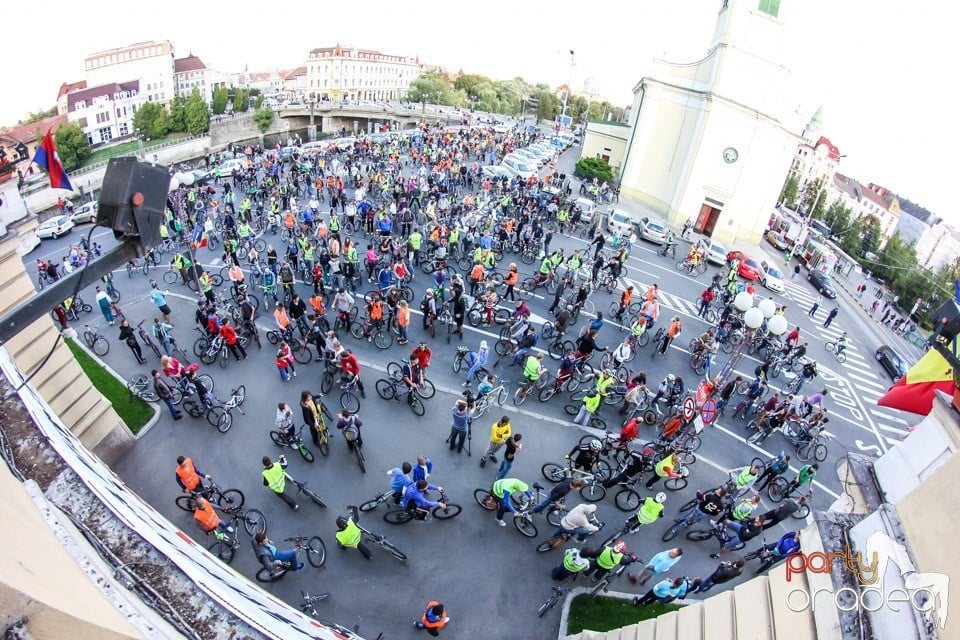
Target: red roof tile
67, 87
834, 151
27, 133
190, 63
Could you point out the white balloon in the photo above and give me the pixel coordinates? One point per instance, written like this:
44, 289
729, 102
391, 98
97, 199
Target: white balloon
777, 325
753, 318
767, 307
186, 179
174, 183
743, 301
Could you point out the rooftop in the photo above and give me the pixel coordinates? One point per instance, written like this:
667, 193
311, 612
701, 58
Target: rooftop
190, 63
88, 95
67, 87
27, 133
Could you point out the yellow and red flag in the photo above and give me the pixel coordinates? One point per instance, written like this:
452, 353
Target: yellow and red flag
915, 391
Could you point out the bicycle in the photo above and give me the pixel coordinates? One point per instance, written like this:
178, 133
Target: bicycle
95, 340
382, 542
525, 389
717, 531
314, 548
458, 363
370, 505
556, 594
390, 390
302, 488
692, 269
309, 602
281, 439
604, 583
214, 494
348, 400
592, 490
226, 545
145, 338
834, 348
378, 333
220, 416
141, 386
780, 489
558, 540
404, 515
522, 506
595, 421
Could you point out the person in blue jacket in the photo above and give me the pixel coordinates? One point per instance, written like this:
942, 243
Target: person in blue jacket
423, 469
414, 498
789, 543
476, 360
400, 480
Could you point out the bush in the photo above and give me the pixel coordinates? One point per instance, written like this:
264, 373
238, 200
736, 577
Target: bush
263, 117
594, 168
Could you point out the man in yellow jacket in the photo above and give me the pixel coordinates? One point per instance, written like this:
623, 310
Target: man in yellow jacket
499, 433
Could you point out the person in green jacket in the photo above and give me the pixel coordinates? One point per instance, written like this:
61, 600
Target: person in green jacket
591, 402
502, 490
805, 476
349, 535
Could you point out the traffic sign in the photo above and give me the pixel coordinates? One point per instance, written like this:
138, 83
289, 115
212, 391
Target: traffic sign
689, 409
709, 411
703, 391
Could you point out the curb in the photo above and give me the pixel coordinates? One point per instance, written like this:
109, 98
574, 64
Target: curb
619, 595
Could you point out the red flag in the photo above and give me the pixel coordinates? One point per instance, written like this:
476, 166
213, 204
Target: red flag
46, 157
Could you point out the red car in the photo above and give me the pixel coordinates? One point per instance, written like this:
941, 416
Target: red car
748, 269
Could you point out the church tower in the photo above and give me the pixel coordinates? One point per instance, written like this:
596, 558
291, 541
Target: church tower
711, 140
814, 128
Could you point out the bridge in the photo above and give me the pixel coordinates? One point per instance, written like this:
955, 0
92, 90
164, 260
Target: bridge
331, 117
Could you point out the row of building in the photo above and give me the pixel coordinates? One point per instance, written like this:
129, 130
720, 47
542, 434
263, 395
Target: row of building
118, 81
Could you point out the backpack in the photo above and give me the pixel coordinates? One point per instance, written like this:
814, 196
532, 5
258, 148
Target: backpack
425, 305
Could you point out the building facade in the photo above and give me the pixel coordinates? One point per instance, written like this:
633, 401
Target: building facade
817, 158
105, 112
149, 62
869, 200
347, 73
711, 140
190, 73
936, 243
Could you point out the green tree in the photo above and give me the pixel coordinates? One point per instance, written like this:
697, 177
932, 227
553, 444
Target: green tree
812, 200
263, 117
177, 119
871, 235
220, 97
430, 88
593, 168
241, 100
595, 112
788, 195
258, 103
837, 217
150, 120
850, 240
72, 145
895, 259
196, 114
467, 82
549, 106
36, 116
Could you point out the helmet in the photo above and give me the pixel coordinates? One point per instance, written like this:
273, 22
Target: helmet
570, 307
661, 497
620, 546
483, 344
596, 445
671, 377
513, 265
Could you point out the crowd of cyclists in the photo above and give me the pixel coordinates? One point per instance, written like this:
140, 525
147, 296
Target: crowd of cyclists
328, 243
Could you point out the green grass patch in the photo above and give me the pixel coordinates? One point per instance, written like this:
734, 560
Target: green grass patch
128, 148
604, 614
134, 411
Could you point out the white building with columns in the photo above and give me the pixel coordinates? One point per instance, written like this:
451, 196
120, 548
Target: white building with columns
149, 62
348, 73
711, 140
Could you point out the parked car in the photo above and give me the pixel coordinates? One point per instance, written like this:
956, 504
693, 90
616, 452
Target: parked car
55, 227
748, 268
519, 167
653, 231
619, 223
528, 156
771, 277
234, 165
587, 207
344, 144
86, 212
822, 283
716, 254
495, 171
891, 362
776, 239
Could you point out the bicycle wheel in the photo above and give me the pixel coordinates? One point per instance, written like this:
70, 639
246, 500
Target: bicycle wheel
316, 551
593, 492
358, 454
603, 470
187, 503
525, 526
398, 516
426, 390
171, 277
326, 383
553, 472
675, 484
89, 337
452, 511
349, 402
271, 575
213, 415
302, 353
385, 389
100, 346
394, 551
519, 396
370, 505
230, 498
254, 521
802, 512
416, 405
223, 549
394, 371
699, 535
627, 500
571, 409
674, 529
485, 499
224, 421
758, 437
305, 453
820, 452
554, 516
778, 489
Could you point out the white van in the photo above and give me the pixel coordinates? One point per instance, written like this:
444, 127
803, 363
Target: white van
587, 207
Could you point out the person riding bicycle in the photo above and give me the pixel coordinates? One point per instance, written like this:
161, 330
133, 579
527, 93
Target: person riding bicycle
525, 344
272, 558
651, 311
563, 315
579, 521
284, 422
587, 344
475, 360
546, 267
490, 300
206, 516
349, 535
744, 478
650, 511
533, 368
502, 490
842, 342
572, 564
412, 376
788, 544
809, 371
672, 332
625, 299
607, 558
585, 456
669, 243
374, 313
670, 389
709, 506
755, 390
350, 424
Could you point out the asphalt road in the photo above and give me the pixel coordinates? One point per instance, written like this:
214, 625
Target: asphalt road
490, 578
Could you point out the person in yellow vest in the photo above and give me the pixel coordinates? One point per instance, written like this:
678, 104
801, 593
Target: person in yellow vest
275, 478
665, 468
572, 564
649, 512
205, 514
591, 402
607, 558
349, 535
499, 432
433, 619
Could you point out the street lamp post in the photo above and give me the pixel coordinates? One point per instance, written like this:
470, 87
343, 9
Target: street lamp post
569, 82
754, 318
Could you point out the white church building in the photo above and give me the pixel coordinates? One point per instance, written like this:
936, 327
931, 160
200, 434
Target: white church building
711, 140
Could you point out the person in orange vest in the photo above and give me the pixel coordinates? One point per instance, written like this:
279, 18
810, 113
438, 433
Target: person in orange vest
476, 278
189, 477
510, 280
375, 313
403, 320
433, 619
206, 515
